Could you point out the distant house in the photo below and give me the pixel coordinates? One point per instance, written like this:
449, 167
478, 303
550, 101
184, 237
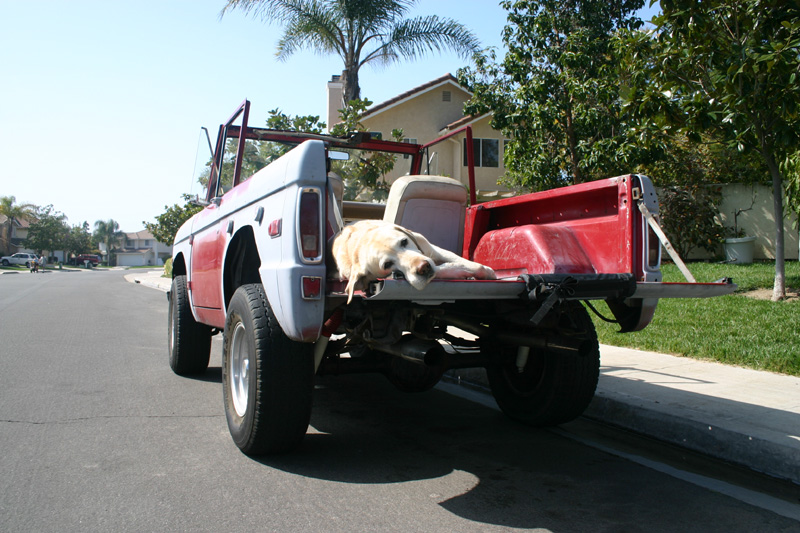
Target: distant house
427, 112
139, 249
13, 233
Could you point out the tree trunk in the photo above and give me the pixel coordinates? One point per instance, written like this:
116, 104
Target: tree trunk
350, 88
779, 289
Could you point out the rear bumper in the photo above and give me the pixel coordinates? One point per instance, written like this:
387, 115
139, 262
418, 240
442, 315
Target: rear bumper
569, 287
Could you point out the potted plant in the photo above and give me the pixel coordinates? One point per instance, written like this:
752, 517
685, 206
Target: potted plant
739, 247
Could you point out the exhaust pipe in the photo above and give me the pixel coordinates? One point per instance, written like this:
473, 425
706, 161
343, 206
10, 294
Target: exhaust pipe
551, 343
416, 350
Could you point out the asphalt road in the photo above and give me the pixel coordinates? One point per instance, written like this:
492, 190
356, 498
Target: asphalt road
97, 434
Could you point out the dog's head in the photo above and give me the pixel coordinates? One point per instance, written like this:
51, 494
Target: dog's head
378, 250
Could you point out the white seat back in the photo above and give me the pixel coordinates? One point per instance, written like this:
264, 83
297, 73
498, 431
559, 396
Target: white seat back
335, 201
434, 206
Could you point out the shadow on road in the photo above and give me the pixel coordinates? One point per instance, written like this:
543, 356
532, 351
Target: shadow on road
212, 375
480, 466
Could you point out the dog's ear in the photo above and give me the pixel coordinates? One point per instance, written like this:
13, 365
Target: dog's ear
421, 242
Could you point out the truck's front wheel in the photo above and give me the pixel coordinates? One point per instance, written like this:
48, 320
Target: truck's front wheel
189, 341
267, 378
553, 388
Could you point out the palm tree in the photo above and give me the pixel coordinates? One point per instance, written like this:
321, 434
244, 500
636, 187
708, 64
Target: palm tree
11, 209
107, 231
359, 32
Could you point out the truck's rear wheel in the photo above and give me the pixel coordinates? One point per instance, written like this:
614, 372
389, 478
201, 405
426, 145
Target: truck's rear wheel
189, 341
267, 378
553, 388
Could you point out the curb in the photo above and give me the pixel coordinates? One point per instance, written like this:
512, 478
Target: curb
708, 438
705, 429
150, 280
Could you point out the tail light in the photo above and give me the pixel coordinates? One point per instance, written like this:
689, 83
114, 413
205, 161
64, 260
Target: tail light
309, 226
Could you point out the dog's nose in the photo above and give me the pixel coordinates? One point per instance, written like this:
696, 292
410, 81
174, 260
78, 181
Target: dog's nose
424, 268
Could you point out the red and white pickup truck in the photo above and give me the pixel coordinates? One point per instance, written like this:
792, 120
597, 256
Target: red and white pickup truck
254, 265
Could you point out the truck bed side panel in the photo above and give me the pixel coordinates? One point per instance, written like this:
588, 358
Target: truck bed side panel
586, 228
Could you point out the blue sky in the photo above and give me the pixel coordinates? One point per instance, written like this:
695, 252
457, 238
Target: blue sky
101, 101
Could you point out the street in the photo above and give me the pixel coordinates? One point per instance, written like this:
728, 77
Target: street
98, 434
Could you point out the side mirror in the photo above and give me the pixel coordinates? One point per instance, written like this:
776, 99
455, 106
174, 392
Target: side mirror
197, 201
338, 156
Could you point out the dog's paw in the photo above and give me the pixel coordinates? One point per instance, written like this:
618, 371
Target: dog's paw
486, 273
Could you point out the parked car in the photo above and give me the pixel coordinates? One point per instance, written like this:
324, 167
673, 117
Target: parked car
19, 259
81, 259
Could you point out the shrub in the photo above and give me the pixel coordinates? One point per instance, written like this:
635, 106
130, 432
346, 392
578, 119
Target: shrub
689, 217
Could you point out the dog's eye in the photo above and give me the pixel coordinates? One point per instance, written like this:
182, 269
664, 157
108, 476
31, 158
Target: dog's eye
388, 265
404, 243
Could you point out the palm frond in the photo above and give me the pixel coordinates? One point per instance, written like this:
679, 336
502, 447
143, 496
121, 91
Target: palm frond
415, 37
314, 27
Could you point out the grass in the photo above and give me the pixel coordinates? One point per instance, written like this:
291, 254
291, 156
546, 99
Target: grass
735, 329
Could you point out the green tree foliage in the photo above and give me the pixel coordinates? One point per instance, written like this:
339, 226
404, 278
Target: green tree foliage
689, 217
10, 208
78, 240
360, 32
108, 232
730, 68
258, 154
364, 173
555, 95
169, 222
48, 231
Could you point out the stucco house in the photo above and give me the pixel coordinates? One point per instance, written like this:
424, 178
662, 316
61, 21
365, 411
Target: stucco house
427, 112
139, 248
13, 233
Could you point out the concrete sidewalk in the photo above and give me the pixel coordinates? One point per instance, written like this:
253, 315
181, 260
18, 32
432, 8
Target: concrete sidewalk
743, 416
739, 415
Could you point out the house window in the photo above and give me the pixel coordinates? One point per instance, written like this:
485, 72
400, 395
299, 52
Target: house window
486, 152
446, 95
410, 141
128, 243
148, 242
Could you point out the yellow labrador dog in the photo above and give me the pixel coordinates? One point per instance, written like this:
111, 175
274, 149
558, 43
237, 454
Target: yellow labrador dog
372, 249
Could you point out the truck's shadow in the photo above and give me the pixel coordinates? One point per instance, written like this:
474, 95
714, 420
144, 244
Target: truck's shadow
483, 467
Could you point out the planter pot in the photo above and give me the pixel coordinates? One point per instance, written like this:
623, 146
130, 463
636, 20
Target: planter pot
739, 250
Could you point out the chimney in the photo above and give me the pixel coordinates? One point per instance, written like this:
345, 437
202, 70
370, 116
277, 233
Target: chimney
335, 102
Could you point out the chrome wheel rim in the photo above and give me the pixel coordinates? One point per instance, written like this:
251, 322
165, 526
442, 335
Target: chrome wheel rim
239, 369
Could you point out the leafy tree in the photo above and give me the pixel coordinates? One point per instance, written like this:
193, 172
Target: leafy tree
169, 222
79, 240
556, 93
364, 174
108, 232
358, 31
259, 154
48, 231
729, 67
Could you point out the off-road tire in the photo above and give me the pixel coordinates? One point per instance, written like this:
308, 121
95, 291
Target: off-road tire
267, 378
554, 387
189, 341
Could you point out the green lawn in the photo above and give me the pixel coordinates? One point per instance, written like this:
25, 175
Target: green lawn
736, 329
